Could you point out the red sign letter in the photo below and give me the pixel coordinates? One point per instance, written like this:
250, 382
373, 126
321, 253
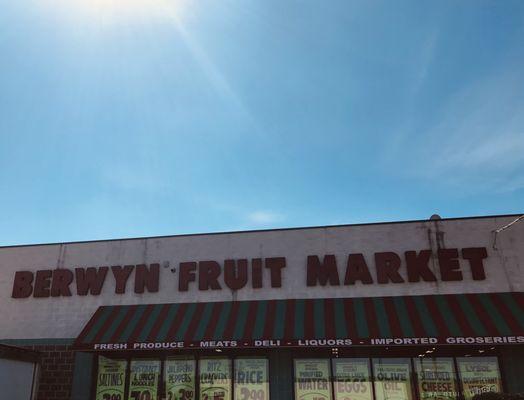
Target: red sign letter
357, 270
187, 274
22, 286
235, 274
475, 255
256, 273
449, 265
62, 278
42, 283
322, 272
208, 273
418, 266
90, 280
387, 265
275, 265
121, 276
147, 277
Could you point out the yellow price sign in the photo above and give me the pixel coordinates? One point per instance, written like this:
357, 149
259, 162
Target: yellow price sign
143, 379
352, 379
111, 379
251, 379
312, 379
179, 375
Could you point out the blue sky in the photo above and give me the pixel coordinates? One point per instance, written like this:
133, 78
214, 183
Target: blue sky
152, 117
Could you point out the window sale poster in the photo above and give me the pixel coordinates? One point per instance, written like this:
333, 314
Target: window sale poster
179, 375
352, 379
111, 379
215, 379
436, 379
392, 380
479, 376
251, 379
312, 379
143, 379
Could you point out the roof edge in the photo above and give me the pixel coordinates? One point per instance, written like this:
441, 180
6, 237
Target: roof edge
264, 230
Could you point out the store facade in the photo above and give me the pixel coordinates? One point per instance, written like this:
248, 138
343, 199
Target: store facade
408, 310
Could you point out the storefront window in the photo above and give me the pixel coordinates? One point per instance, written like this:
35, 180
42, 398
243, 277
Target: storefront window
436, 378
479, 375
111, 379
440, 378
392, 378
312, 379
143, 379
215, 379
179, 377
251, 379
352, 380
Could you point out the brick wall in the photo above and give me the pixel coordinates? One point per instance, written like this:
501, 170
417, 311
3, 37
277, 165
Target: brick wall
56, 372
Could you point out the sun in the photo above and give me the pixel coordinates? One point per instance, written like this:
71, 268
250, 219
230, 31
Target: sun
131, 7
113, 10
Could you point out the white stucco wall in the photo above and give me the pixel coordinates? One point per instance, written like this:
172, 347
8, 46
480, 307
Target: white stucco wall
64, 317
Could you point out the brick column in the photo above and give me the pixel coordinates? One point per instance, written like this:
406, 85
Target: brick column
56, 372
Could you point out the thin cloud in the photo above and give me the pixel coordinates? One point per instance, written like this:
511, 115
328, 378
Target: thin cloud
129, 177
263, 217
420, 72
422, 67
500, 152
478, 143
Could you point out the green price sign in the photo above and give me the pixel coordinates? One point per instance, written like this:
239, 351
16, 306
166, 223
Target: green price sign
479, 375
179, 375
392, 380
215, 379
143, 379
436, 378
251, 379
352, 379
312, 379
111, 379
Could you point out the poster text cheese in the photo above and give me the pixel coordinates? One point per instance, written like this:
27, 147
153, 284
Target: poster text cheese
436, 379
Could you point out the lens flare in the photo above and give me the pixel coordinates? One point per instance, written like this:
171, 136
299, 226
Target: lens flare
121, 10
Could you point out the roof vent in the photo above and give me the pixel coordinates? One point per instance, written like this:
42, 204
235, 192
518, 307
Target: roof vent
435, 217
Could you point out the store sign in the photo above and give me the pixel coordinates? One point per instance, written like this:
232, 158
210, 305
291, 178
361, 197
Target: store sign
215, 379
251, 379
320, 270
392, 379
111, 379
436, 379
179, 375
312, 379
479, 375
352, 379
144, 377
353, 342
